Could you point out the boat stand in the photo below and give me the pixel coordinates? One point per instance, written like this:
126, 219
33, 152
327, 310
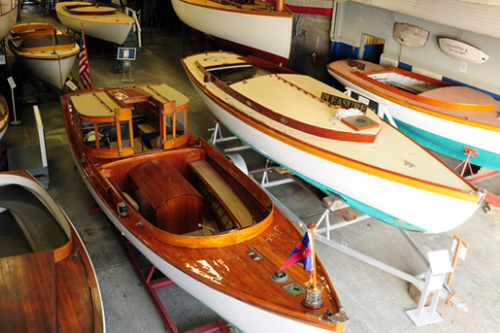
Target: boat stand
492, 199
153, 280
218, 137
430, 283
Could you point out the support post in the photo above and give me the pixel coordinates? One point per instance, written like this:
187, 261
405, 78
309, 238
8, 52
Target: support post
12, 85
439, 266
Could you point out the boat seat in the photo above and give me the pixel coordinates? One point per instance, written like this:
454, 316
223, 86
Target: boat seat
224, 193
47, 42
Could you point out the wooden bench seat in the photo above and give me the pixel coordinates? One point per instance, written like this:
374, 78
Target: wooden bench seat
224, 193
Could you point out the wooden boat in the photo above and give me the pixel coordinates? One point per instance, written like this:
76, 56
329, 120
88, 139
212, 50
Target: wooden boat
8, 16
332, 141
47, 52
254, 27
4, 116
439, 115
190, 211
102, 22
47, 280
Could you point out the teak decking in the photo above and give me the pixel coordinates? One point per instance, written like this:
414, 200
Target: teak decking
47, 283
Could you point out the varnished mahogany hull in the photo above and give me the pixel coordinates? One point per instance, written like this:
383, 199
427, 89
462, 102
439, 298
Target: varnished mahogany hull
54, 288
220, 270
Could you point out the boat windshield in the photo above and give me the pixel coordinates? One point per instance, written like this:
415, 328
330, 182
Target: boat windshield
238, 73
117, 123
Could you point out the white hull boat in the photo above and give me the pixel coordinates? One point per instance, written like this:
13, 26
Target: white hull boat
376, 168
47, 280
48, 53
441, 116
254, 26
106, 23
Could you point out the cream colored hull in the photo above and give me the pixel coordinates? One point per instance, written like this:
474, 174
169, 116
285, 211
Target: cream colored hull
111, 28
393, 179
8, 19
53, 71
268, 33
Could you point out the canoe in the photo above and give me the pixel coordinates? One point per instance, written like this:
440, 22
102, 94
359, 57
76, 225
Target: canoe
252, 27
102, 22
8, 16
191, 212
4, 116
47, 281
332, 141
48, 53
439, 115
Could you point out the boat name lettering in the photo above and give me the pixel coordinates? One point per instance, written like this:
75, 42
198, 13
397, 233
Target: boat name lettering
343, 102
357, 64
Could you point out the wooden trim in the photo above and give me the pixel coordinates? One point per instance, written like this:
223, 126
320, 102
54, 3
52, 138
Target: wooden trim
244, 9
336, 158
291, 122
423, 99
417, 108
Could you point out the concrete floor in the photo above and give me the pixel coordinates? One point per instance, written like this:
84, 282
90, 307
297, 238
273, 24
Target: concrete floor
374, 300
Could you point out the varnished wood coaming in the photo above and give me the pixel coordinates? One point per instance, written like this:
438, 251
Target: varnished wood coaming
41, 40
82, 8
330, 155
484, 115
54, 288
303, 126
222, 260
256, 7
421, 97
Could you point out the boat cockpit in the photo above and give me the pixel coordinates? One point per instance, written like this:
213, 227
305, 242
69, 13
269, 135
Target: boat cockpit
121, 122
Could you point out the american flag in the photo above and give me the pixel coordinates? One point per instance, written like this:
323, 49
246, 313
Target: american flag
83, 64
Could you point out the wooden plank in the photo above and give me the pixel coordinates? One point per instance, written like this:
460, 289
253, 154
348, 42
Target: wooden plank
28, 288
223, 191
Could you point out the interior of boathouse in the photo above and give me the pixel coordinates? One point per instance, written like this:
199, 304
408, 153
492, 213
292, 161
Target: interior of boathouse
388, 277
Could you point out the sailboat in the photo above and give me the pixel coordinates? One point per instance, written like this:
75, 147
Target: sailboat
332, 141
